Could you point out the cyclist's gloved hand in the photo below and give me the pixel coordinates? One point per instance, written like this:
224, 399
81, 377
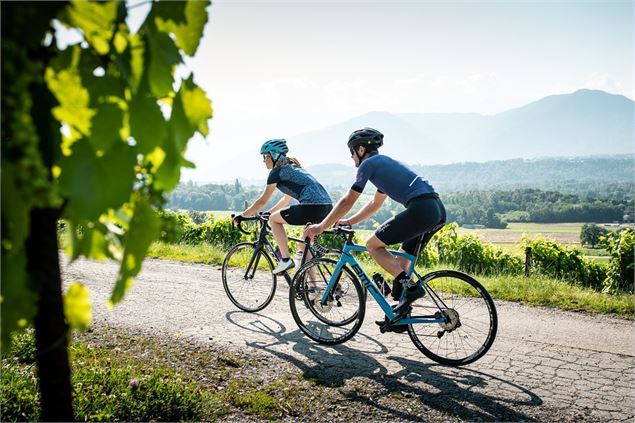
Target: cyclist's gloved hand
344, 222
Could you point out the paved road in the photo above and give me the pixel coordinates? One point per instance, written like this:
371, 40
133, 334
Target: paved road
545, 364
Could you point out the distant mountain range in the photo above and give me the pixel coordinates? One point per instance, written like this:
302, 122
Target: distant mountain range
574, 174
584, 123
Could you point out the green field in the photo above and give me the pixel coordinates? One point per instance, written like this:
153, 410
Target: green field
223, 214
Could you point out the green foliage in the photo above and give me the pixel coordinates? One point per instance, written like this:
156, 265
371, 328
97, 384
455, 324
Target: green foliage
621, 247
560, 262
102, 388
590, 234
494, 207
97, 130
20, 397
254, 399
22, 347
178, 227
470, 254
105, 394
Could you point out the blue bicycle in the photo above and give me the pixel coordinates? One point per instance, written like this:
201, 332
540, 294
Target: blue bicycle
454, 323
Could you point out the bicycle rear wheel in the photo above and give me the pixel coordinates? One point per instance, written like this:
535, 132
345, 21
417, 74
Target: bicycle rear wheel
341, 316
248, 277
470, 317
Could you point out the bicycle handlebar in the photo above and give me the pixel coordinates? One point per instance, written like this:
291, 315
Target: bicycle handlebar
262, 217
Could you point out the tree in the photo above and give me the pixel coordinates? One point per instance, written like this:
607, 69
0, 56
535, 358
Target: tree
94, 134
590, 234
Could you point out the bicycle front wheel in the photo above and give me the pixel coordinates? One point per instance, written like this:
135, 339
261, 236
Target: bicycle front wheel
470, 319
248, 277
341, 316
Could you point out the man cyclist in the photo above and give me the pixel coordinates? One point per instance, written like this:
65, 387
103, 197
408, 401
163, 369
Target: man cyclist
423, 216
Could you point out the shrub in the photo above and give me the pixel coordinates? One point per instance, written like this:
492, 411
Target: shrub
174, 225
560, 262
470, 254
620, 274
590, 234
223, 234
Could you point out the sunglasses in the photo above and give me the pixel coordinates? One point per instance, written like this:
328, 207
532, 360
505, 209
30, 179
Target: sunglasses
264, 157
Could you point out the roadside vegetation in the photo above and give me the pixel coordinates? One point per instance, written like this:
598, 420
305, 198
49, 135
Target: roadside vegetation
559, 276
117, 376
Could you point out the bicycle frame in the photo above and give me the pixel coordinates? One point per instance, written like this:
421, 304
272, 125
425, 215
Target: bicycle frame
347, 258
263, 243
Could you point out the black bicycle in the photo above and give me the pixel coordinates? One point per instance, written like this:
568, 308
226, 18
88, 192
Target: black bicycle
247, 270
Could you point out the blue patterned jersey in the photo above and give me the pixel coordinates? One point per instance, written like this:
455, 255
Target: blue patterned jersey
299, 184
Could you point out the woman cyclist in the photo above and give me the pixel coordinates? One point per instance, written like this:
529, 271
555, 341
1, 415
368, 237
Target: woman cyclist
296, 183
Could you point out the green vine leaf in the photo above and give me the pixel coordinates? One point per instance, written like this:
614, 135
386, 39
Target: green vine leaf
96, 20
164, 56
185, 20
77, 306
144, 228
87, 179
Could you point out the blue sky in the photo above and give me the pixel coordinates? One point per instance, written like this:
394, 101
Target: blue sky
280, 68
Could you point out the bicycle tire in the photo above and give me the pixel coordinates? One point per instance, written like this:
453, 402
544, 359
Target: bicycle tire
472, 321
317, 321
239, 280
338, 288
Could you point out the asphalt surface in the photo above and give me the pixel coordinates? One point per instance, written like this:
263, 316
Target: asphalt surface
545, 365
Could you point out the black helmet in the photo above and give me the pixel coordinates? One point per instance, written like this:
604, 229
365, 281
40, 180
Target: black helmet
368, 137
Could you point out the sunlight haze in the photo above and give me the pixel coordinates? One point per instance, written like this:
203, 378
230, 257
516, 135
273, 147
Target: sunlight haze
282, 68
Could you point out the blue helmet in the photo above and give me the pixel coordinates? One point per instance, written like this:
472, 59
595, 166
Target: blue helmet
276, 147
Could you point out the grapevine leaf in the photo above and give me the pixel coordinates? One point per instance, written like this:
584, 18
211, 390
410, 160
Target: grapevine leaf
73, 98
77, 306
144, 228
96, 20
191, 111
18, 299
169, 172
15, 219
105, 126
94, 184
147, 125
88, 240
164, 56
188, 31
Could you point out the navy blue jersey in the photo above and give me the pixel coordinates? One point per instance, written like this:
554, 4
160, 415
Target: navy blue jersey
299, 184
391, 177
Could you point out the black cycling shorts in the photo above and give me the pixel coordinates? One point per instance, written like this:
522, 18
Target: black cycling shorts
301, 214
423, 216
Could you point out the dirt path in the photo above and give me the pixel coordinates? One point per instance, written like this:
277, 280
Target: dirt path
545, 364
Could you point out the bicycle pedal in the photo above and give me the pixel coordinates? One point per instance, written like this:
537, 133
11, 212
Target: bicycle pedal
385, 326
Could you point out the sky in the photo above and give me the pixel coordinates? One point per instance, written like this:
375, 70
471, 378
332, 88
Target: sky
277, 69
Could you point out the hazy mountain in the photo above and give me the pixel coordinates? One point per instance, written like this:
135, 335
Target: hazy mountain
574, 174
586, 122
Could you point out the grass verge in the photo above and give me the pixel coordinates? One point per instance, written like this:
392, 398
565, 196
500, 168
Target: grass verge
117, 376
535, 290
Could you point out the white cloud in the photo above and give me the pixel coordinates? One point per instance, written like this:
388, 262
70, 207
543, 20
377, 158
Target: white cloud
606, 82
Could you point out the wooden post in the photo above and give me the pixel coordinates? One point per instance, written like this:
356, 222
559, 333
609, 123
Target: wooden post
527, 261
